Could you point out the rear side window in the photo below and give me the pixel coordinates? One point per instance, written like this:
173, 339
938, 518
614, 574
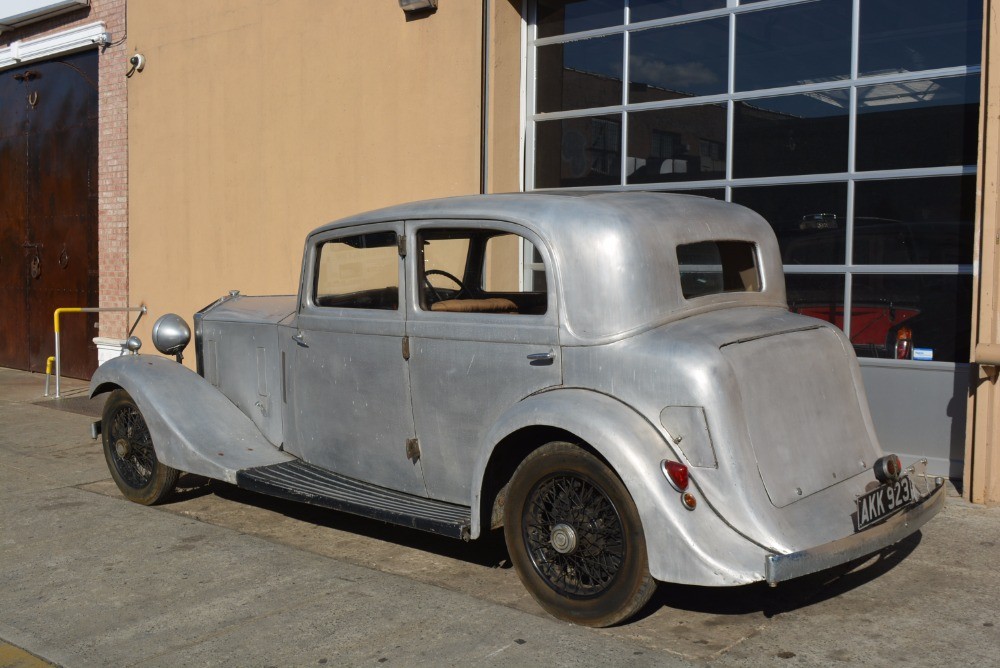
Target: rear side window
713, 267
359, 271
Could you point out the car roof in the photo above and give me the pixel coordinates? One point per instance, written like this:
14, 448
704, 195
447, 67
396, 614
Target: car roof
547, 212
613, 253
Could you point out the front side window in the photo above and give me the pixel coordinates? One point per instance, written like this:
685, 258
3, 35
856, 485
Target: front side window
480, 271
359, 271
714, 267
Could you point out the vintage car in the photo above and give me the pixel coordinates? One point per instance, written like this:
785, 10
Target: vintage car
613, 378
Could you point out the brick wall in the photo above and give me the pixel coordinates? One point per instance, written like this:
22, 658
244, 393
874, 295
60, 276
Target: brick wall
112, 203
112, 177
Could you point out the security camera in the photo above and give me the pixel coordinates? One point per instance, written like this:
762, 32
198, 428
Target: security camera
138, 61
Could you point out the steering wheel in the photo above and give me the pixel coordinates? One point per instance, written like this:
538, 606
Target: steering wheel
442, 272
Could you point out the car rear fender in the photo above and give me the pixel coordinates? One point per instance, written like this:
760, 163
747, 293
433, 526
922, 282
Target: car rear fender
195, 428
684, 546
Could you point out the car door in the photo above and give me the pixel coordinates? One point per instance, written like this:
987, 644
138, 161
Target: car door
348, 386
477, 345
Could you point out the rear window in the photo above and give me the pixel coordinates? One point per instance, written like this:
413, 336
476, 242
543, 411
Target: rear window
713, 267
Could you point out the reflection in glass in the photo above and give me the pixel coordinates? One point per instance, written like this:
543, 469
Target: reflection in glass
792, 134
936, 309
919, 35
713, 193
681, 144
578, 75
927, 123
817, 296
646, 10
793, 45
914, 221
809, 220
578, 152
558, 17
679, 61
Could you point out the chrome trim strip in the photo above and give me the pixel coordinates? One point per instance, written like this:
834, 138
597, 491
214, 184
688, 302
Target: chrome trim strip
781, 567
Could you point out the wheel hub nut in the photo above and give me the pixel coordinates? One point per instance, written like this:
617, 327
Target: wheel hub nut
563, 538
121, 447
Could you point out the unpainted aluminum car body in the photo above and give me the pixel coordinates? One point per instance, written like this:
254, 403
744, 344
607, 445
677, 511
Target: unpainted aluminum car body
422, 417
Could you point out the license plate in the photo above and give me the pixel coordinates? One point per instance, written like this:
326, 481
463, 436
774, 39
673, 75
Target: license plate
884, 501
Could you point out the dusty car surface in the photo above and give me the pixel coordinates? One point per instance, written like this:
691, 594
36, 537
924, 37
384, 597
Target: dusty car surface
613, 378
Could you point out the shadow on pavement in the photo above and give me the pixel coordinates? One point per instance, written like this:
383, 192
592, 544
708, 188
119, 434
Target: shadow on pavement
489, 550
788, 596
81, 405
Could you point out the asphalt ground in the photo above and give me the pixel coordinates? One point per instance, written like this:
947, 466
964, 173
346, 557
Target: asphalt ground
219, 576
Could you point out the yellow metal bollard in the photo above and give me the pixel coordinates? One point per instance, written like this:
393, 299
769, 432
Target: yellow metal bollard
48, 372
55, 318
77, 309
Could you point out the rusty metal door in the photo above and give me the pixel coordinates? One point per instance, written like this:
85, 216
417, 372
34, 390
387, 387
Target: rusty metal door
48, 211
13, 226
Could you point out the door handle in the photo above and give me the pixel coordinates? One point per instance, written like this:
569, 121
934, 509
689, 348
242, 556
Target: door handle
299, 339
541, 359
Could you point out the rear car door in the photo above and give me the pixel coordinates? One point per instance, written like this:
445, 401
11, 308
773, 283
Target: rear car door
478, 344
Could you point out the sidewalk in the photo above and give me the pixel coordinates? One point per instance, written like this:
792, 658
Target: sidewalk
220, 576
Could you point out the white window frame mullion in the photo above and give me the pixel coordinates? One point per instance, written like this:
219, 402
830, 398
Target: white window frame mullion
852, 134
530, 85
730, 103
623, 138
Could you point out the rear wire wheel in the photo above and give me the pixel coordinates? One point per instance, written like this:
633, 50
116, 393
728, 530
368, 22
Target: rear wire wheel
575, 538
128, 450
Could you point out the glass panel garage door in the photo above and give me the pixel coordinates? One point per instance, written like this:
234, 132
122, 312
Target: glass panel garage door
850, 125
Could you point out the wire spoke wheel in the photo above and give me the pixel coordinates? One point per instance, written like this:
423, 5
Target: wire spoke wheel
589, 565
129, 452
132, 447
575, 538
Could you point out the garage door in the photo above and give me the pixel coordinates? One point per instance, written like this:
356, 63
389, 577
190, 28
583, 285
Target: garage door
48, 211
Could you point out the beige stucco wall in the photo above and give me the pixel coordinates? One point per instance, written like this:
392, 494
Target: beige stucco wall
255, 121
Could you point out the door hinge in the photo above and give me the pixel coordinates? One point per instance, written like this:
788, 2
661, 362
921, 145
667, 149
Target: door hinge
412, 449
406, 348
401, 245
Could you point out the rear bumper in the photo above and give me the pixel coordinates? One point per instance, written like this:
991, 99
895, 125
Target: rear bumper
781, 567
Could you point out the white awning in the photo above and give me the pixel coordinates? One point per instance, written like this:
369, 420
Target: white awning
15, 13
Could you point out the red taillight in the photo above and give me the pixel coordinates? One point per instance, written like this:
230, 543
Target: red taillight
677, 474
888, 468
904, 343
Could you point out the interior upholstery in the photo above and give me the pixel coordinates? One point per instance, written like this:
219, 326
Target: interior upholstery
488, 305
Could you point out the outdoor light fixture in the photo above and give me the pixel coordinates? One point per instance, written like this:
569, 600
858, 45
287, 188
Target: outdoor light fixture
417, 5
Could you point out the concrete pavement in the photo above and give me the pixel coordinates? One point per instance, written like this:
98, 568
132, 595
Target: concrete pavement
219, 576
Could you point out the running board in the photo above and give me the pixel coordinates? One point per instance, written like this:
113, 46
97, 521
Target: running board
299, 481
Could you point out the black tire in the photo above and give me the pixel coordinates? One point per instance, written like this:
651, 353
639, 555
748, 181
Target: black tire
128, 450
575, 538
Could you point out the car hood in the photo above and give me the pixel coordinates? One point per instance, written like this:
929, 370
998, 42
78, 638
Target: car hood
243, 308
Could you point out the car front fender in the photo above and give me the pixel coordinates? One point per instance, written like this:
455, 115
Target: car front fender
195, 428
684, 546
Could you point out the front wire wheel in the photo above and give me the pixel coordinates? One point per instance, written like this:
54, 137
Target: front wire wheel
128, 450
575, 537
